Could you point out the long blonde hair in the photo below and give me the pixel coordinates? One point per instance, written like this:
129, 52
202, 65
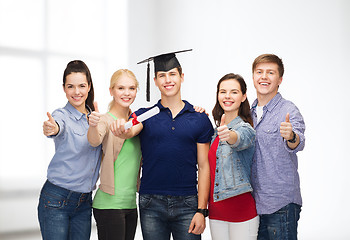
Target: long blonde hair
115, 77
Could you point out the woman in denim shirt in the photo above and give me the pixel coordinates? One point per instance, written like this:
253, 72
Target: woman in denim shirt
232, 210
64, 209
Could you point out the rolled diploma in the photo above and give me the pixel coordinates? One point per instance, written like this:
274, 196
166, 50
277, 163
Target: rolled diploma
144, 116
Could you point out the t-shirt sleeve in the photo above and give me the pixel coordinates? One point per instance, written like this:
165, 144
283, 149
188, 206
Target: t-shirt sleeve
207, 129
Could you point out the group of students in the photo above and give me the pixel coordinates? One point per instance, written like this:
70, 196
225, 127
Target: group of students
243, 174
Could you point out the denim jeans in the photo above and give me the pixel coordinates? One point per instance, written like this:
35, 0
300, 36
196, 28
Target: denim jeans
64, 214
280, 225
164, 215
116, 224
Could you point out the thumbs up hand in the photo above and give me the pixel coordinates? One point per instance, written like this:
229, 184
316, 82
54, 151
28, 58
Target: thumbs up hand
223, 131
96, 107
286, 129
50, 126
94, 117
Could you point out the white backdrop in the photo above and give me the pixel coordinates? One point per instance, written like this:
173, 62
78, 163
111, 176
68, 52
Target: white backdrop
312, 37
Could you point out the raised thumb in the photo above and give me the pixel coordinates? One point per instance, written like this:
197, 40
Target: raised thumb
96, 107
222, 120
287, 117
50, 117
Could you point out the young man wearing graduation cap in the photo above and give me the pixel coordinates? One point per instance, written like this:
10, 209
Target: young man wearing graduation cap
173, 143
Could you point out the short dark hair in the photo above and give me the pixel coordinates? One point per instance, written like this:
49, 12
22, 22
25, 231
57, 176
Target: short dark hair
179, 69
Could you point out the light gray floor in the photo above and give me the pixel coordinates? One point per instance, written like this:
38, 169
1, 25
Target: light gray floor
35, 235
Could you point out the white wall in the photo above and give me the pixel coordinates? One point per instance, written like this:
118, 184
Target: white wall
37, 40
312, 38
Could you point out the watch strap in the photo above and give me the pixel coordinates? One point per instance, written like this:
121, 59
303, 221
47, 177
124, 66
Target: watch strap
205, 212
294, 139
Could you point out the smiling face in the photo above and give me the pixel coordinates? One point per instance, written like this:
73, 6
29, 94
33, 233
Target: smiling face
124, 91
169, 83
77, 89
230, 96
266, 80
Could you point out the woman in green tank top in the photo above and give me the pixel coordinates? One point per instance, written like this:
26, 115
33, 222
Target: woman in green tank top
114, 205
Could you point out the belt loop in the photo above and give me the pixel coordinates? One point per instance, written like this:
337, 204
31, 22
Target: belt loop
69, 195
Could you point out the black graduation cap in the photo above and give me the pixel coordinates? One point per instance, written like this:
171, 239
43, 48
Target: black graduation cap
163, 62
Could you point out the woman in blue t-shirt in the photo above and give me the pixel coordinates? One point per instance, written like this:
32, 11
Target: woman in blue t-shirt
64, 209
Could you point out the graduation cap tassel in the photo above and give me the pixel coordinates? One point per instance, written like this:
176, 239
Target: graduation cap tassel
148, 83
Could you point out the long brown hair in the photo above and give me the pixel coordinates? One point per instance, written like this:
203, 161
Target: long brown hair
78, 66
244, 108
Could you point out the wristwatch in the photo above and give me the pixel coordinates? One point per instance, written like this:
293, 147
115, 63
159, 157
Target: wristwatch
205, 212
294, 139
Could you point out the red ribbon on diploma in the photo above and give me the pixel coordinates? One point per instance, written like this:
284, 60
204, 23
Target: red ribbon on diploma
134, 121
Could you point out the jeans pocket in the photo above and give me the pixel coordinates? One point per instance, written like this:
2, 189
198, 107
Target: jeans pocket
50, 201
144, 201
191, 201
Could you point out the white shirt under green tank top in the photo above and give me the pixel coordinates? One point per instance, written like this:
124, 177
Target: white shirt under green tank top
126, 169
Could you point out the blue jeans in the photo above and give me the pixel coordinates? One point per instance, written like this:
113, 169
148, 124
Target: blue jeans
164, 215
280, 225
64, 214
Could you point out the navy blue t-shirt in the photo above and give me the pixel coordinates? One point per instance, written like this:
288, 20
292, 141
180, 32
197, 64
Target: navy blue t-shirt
169, 150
